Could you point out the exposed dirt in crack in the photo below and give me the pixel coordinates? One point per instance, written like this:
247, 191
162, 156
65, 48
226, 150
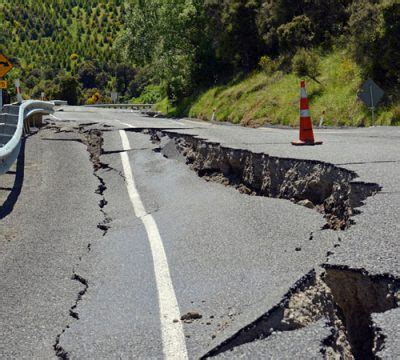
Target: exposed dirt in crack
328, 189
357, 295
344, 297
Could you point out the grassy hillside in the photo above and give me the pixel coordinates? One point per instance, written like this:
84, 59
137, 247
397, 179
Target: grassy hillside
273, 99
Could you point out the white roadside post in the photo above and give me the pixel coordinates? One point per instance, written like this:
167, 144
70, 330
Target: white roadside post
114, 97
213, 114
18, 87
321, 119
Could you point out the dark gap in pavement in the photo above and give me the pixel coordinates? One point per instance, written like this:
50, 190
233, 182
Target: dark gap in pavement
84, 282
94, 142
61, 353
59, 350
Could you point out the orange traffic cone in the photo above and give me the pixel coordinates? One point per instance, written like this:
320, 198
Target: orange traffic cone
306, 128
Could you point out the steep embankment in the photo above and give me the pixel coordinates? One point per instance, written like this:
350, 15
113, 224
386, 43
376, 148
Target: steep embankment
261, 99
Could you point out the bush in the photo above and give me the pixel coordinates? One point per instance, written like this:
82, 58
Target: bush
74, 57
95, 96
87, 74
396, 115
306, 63
267, 65
49, 88
69, 89
296, 34
152, 94
94, 99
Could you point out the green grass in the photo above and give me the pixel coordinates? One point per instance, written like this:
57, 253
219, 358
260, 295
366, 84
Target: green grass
261, 99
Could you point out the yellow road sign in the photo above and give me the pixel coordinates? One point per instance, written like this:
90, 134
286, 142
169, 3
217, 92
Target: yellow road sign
5, 65
3, 84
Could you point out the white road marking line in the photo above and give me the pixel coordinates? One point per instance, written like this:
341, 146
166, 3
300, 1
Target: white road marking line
126, 124
55, 117
198, 122
276, 130
173, 338
337, 132
141, 127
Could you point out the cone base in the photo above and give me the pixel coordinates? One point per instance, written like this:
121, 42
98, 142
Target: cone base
306, 143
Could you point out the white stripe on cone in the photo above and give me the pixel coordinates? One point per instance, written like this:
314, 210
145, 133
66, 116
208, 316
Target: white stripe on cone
305, 113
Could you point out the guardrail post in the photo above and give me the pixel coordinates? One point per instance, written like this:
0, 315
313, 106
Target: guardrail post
27, 130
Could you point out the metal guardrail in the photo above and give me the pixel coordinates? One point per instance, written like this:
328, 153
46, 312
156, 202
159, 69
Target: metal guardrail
124, 106
13, 120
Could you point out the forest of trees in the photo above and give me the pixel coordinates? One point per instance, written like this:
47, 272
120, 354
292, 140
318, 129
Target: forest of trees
65, 48
184, 44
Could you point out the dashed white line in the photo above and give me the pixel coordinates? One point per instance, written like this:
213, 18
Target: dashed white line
173, 339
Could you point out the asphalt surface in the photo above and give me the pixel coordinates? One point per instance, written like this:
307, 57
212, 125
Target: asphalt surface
231, 257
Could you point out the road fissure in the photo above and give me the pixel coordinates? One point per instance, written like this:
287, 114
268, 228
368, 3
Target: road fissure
322, 186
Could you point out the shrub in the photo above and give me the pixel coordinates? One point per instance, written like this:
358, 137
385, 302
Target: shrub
151, 95
306, 63
396, 115
267, 65
296, 34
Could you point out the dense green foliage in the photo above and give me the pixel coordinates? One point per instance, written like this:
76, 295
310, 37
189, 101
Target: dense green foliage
185, 45
52, 41
194, 55
166, 38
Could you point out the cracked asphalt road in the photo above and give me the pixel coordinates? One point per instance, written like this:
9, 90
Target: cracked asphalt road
231, 257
